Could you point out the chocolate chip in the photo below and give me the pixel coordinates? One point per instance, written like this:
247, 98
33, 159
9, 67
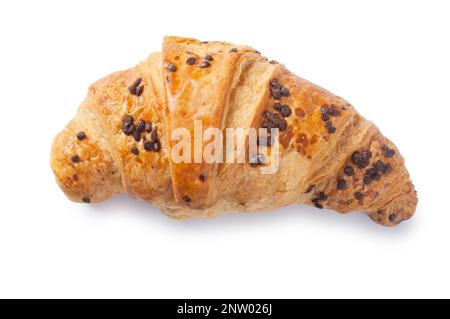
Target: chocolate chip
148, 146
330, 128
202, 177
171, 67
285, 111
140, 126
278, 106
127, 125
152, 146
275, 92
191, 61
127, 120
284, 91
140, 90
321, 196
275, 89
81, 135
153, 136
234, 50
208, 58
325, 116
137, 135
275, 83
129, 129
392, 217
134, 86
148, 127
86, 200
371, 171
204, 64
356, 157
333, 112
324, 108
380, 166
156, 146
388, 152
361, 159
367, 179
387, 169
137, 82
274, 120
75, 158
327, 111
374, 173
359, 196
135, 150
342, 184
310, 188
186, 198
319, 206
375, 176
349, 171
257, 160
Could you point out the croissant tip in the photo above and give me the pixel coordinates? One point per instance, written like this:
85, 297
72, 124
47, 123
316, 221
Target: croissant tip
402, 208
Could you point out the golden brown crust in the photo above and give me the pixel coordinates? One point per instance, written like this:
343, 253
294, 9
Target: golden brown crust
197, 79
330, 156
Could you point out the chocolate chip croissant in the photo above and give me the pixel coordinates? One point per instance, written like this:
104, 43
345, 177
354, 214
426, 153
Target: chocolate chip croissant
329, 156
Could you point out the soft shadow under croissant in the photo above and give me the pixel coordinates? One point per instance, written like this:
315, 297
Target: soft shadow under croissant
329, 155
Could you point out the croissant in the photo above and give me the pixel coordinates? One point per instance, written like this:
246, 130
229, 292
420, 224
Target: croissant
329, 156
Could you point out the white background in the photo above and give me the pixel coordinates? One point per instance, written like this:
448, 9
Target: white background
389, 58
